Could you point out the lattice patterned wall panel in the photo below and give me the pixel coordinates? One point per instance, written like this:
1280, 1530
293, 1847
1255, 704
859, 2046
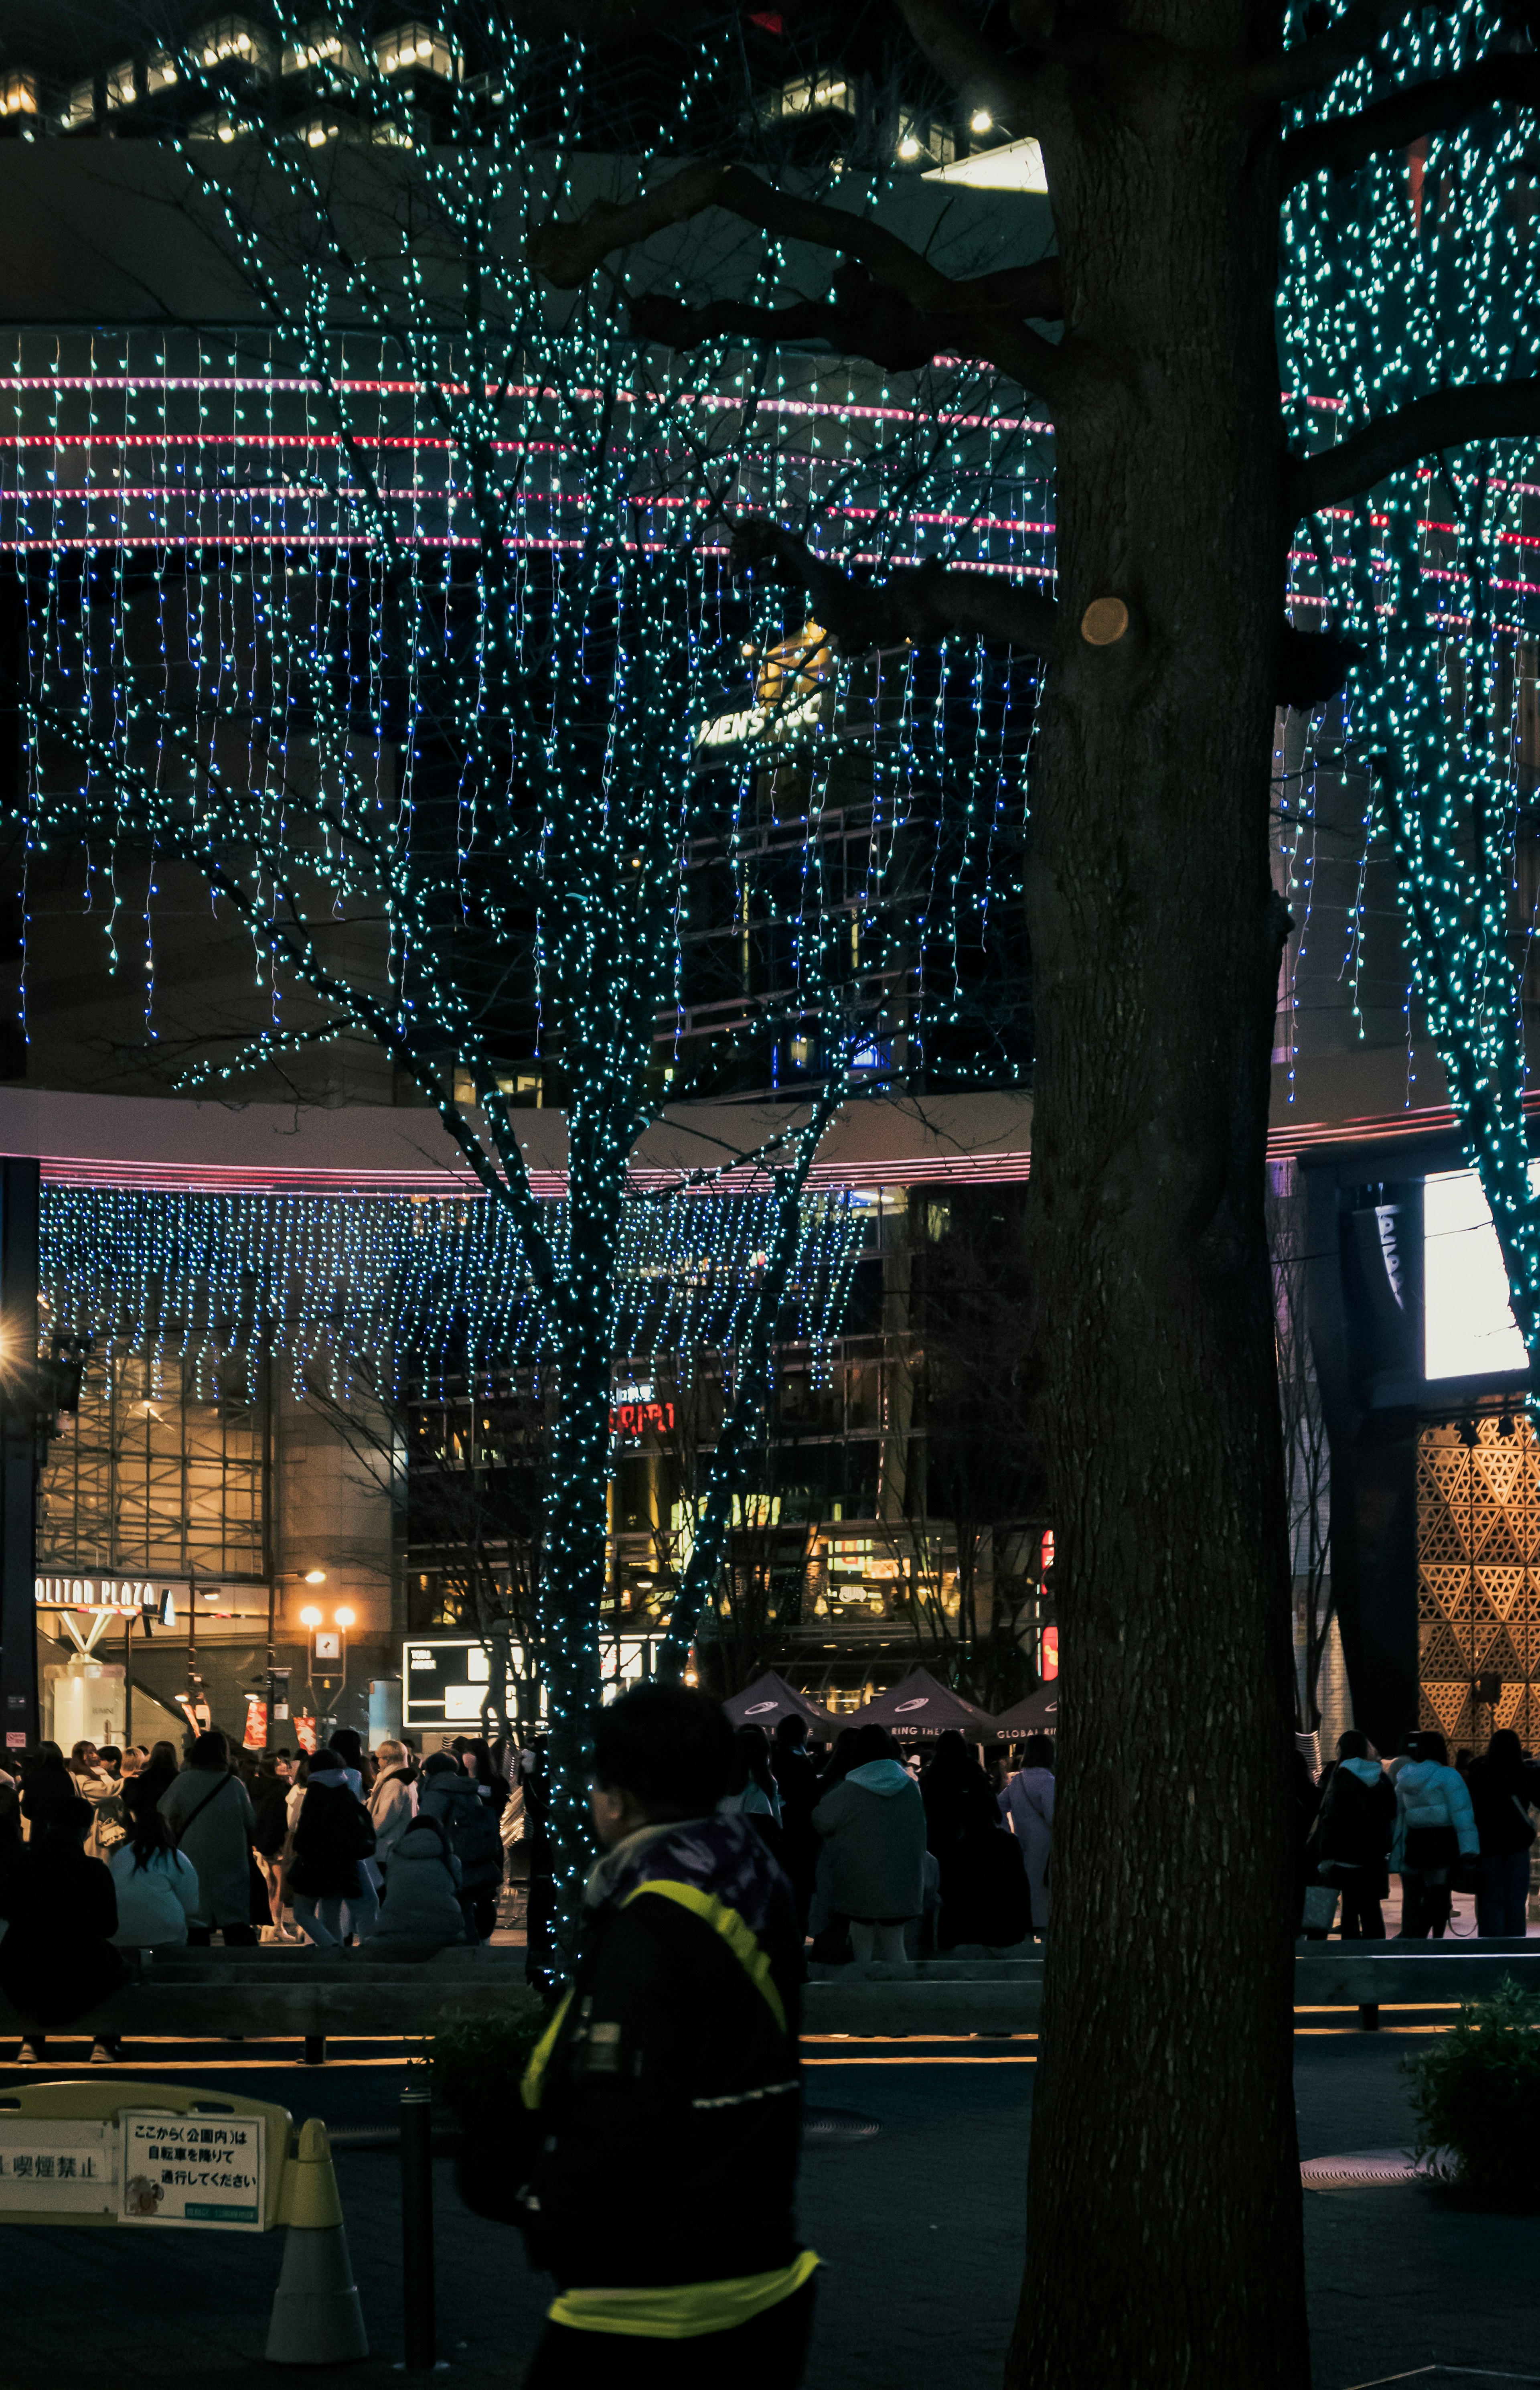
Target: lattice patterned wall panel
1477, 1549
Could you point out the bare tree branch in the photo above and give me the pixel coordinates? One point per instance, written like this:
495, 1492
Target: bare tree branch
868, 320
917, 605
568, 253
1438, 106
1475, 410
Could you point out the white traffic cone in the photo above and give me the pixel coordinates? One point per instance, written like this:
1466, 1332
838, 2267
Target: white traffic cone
317, 2317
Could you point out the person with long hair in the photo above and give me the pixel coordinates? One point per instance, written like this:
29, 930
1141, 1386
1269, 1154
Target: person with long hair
156, 1884
984, 1895
1503, 1789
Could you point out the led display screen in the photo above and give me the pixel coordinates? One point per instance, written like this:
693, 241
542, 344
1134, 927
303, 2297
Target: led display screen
1468, 1327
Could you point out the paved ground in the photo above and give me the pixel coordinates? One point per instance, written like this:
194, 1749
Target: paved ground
1396, 2282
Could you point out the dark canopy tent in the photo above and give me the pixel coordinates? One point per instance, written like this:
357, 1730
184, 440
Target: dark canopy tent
922, 1706
770, 1698
1037, 1715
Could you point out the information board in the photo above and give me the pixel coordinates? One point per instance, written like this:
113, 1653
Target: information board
197, 2170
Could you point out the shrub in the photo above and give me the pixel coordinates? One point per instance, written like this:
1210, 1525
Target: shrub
1476, 2097
478, 2061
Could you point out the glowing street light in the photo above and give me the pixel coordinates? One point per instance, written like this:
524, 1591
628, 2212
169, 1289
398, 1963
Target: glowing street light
310, 1615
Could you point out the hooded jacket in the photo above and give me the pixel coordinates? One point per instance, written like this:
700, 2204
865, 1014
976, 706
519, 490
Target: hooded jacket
873, 1825
1428, 1794
468, 1817
421, 1910
1357, 1820
665, 2094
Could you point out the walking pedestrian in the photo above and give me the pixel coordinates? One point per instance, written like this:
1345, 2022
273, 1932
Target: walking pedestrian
328, 1893
873, 1825
1435, 1828
675, 2050
1352, 1835
1504, 1788
464, 1809
209, 1812
1027, 1805
58, 1959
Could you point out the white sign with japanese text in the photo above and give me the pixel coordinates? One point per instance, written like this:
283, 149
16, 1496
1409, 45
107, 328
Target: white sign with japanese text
57, 2165
200, 2170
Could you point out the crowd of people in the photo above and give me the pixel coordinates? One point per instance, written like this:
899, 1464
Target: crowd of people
1443, 1829
112, 1852
891, 1856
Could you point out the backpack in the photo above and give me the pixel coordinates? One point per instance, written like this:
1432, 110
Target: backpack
476, 1842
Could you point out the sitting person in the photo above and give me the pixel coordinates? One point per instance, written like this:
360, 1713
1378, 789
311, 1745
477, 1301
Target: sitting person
421, 1910
58, 1959
156, 1884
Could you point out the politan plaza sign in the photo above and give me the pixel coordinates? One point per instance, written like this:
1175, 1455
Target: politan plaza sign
135, 1597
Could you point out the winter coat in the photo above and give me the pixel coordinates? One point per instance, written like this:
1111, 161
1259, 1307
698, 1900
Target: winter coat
468, 1817
1430, 1795
1027, 1805
983, 1893
57, 1959
270, 1809
673, 2067
391, 1811
421, 1910
1501, 1806
217, 1839
333, 1834
1355, 1826
154, 1901
873, 1825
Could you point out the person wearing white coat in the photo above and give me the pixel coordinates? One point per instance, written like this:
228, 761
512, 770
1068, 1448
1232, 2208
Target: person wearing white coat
1026, 1804
1436, 1828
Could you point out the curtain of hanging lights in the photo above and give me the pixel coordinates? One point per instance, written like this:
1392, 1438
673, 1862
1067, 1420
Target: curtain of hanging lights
1415, 273
440, 1287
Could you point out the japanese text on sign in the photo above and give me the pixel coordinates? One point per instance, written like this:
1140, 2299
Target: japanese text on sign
192, 2170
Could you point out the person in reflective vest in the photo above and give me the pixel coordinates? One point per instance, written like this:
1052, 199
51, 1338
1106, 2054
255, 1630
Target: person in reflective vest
664, 2097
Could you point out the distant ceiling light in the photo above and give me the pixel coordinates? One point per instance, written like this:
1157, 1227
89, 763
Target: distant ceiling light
315, 1577
1015, 166
980, 120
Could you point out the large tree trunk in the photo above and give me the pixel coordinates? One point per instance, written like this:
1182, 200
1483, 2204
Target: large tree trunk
1165, 2213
